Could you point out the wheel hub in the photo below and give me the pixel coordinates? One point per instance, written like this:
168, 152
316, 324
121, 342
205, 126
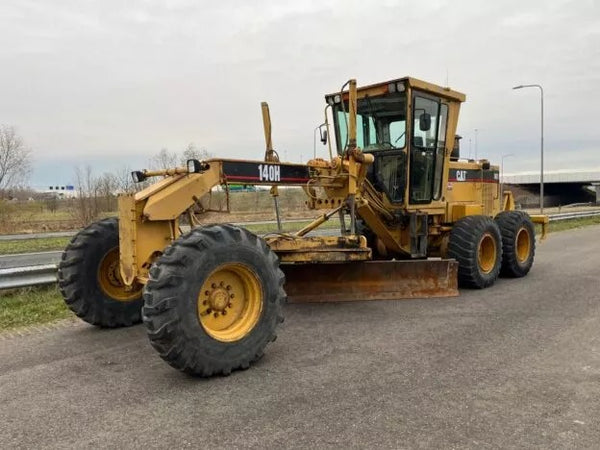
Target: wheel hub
110, 281
230, 302
220, 298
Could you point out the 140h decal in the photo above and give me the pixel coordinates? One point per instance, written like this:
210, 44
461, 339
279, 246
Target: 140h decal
269, 172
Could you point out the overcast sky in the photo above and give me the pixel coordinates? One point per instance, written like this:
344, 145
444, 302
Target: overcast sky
109, 83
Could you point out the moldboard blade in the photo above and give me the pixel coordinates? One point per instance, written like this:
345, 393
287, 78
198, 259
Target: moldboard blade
370, 280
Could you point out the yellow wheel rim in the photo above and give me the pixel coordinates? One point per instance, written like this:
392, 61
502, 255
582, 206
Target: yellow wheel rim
230, 302
110, 281
523, 244
487, 253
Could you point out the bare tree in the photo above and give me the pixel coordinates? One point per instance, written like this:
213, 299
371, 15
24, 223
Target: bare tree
15, 158
124, 181
193, 152
107, 189
86, 207
163, 159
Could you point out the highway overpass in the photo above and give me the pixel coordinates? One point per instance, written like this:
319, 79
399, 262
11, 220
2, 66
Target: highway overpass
561, 187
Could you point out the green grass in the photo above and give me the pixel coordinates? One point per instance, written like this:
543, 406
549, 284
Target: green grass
33, 245
290, 226
569, 224
31, 306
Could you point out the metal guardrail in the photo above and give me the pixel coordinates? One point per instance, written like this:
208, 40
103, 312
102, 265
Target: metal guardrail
17, 277
573, 215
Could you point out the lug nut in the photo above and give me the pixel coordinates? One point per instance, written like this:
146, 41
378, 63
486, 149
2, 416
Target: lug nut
215, 315
231, 295
205, 302
228, 288
224, 312
206, 292
214, 286
230, 305
221, 284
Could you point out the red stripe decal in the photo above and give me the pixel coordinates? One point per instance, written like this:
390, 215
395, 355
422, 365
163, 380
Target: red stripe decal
247, 177
454, 180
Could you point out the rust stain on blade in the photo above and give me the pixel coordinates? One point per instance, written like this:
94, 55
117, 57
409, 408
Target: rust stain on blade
370, 280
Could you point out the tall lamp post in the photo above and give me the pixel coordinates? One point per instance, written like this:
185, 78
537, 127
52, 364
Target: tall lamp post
507, 155
541, 141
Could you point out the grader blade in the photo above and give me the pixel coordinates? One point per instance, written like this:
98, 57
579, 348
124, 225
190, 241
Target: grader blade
370, 280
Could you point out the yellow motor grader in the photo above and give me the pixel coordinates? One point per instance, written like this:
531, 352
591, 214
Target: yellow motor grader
416, 221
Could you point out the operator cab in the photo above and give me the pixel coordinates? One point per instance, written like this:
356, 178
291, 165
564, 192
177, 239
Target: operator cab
406, 151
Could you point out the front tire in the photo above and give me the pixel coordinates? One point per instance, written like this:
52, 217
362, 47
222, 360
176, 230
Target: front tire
476, 245
214, 300
518, 243
90, 280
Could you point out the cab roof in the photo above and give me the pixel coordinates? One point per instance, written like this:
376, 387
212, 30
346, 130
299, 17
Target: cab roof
383, 88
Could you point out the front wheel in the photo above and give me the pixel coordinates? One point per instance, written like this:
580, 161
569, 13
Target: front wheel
90, 280
214, 300
476, 245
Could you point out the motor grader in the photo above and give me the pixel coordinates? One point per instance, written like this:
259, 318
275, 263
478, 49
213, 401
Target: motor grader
416, 221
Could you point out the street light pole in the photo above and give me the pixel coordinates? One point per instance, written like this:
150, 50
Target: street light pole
541, 140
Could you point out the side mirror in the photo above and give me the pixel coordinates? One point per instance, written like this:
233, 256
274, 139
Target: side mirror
425, 122
323, 136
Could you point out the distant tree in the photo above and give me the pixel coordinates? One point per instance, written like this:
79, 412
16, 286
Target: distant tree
193, 152
15, 158
163, 159
123, 180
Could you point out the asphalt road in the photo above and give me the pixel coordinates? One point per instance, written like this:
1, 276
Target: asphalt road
514, 366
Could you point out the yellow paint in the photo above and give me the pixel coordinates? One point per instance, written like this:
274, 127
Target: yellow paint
110, 281
486, 254
230, 302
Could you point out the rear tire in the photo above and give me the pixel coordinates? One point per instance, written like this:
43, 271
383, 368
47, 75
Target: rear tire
90, 281
214, 300
476, 245
518, 243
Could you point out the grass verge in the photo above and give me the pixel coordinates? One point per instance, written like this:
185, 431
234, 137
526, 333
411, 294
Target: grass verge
568, 224
33, 245
290, 226
31, 306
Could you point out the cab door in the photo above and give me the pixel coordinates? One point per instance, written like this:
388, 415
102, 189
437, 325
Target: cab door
427, 149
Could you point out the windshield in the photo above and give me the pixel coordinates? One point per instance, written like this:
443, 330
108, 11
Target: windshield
380, 122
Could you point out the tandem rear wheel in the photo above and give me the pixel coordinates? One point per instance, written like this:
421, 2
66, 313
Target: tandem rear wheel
476, 244
214, 300
518, 243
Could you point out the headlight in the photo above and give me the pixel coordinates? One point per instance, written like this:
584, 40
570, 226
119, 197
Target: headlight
195, 166
138, 176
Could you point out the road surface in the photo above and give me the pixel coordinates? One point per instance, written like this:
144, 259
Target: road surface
513, 366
